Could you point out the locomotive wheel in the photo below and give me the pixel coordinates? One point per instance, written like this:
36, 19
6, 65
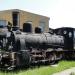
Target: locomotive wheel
23, 59
52, 58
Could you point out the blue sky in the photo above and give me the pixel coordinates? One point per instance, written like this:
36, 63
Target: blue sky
61, 12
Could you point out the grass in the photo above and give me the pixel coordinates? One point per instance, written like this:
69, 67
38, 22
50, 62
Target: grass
43, 70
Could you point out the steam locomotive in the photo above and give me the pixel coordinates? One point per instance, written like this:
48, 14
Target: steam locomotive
20, 49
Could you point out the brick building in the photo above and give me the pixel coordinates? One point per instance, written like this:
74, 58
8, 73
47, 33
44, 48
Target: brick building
18, 17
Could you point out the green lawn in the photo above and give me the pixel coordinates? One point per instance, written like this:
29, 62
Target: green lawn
43, 70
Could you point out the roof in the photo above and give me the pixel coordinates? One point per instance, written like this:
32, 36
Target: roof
18, 10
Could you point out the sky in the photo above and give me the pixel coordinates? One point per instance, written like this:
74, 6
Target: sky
61, 12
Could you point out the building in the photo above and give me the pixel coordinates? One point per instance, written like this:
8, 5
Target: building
18, 17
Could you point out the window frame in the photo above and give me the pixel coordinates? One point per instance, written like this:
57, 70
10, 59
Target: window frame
42, 25
3, 25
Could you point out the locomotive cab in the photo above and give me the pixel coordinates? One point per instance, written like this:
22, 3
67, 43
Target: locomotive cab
68, 34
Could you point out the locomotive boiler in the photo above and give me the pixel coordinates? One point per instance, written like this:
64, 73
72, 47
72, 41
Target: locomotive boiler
38, 41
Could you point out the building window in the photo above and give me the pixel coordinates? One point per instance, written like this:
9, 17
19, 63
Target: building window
3, 23
15, 18
42, 26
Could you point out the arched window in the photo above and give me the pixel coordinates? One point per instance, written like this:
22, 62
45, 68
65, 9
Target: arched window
42, 25
3, 23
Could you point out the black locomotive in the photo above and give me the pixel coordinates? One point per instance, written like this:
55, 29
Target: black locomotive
20, 49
